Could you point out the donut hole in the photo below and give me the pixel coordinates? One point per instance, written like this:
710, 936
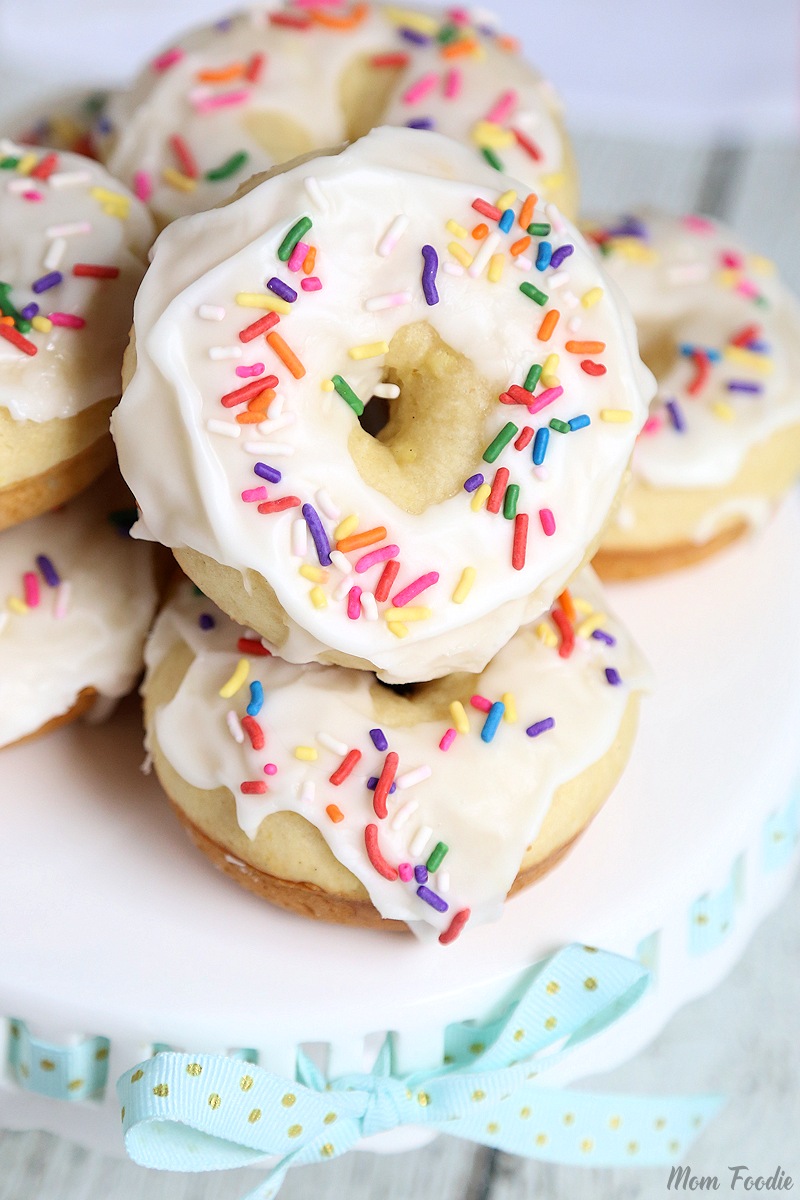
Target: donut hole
375, 416
658, 350
365, 93
279, 135
407, 704
436, 427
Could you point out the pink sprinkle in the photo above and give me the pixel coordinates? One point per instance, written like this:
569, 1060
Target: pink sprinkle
270, 769
448, 739
425, 84
406, 872
548, 521
481, 703
31, 585
414, 589
143, 186
221, 100
316, 3
68, 319
298, 256
31, 195
253, 369
698, 224
544, 398
167, 59
733, 260
746, 288
376, 556
312, 284
354, 603
652, 424
459, 16
452, 84
502, 110
252, 495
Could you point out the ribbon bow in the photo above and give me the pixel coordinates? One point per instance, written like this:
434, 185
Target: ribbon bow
206, 1112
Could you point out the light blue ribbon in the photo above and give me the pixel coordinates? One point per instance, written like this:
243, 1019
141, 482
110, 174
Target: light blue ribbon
203, 1112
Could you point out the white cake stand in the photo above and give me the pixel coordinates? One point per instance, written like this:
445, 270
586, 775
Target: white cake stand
111, 925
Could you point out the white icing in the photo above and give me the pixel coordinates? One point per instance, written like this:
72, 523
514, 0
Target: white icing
189, 492
682, 292
486, 801
302, 81
50, 225
87, 632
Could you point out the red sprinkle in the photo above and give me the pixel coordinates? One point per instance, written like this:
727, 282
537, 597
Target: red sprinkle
592, 368
486, 209
95, 271
290, 20
249, 391
253, 787
186, 160
45, 167
252, 646
499, 484
384, 784
254, 731
345, 768
262, 325
524, 438
520, 548
15, 337
272, 506
374, 855
567, 632
454, 928
528, 145
750, 333
255, 68
390, 60
386, 581
702, 371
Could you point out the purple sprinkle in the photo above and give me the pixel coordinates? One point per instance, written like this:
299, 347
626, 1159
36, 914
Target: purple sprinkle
429, 274
282, 289
265, 472
318, 534
421, 123
431, 898
473, 483
613, 677
413, 35
52, 279
206, 621
758, 347
560, 254
421, 873
629, 227
379, 739
742, 385
600, 635
372, 783
103, 125
29, 311
540, 727
675, 415
49, 573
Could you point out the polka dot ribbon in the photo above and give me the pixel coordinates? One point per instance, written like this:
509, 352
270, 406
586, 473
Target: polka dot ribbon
185, 1112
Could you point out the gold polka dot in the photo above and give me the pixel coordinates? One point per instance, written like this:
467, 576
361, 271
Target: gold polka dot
531, 1074
673, 1146
194, 1069
614, 1122
550, 1023
161, 1089
479, 1095
327, 1151
47, 1064
24, 1070
586, 1145
214, 1100
288, 1100
246, 1082
330, 1118
122, 1114
255, 1115
590, 983
477, 1048
701, 919
519, 1034
136, 1076
75, 1085
659, 1123
632, 1147
553, 988
525, 1113
590, 949
294, 1131
697, 1122
569, 1118
448, 1059
14, 1031
101, 1055
541, 1139
423, 1099
493, 1127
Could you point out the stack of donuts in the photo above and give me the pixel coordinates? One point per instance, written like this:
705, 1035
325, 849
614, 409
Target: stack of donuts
385, 404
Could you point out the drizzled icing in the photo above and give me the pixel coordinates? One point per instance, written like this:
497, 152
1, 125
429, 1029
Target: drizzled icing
184, 135
566, 680
591, 401
77, 596
66, 322
726, 333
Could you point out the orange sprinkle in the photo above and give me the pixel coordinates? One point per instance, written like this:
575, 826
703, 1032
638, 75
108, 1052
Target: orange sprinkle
335, 813
287, 356
249, 418
460, 49
480, 232
567, 604
526, 212
350, 21
549, 322
223, 74
6, 320
310, 260
356, 541
262, 401
585, 347
511, 44
520, 247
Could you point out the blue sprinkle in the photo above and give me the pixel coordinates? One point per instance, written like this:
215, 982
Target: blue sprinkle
473, 483
431, 898
600, 635
372, 783
379, 739
256, 699
613, 677
507, 220
265, 472
579, 422
540, 727
492, 722
543, 256
560, 254
103, 125
540, 445
206, 621
421, 874
687, 350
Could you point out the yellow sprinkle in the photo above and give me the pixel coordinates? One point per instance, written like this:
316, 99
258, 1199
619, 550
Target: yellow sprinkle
490, 136
464, 586
116, 210
760, 264
552, 181
456, 229
480, 497
236, 680
327, 385
371, 350
546, 634
315, 574
318, 597
587, 627
550, 364
305, 753
398, 629
108, 197
261, 300
459, 716
18, 606
459, 253
42, 324
176, 179
409, 613
617, 416
590, 298
723, 410
729, 277
496, 265
634, 250
26, 164
346, 527
548, 381
507, 200
582, 606
510, 714
419, 22
749, 358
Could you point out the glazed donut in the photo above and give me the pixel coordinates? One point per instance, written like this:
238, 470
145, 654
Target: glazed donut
71, 258
722, 444
266, 85
337, 797
421, 551
78, 597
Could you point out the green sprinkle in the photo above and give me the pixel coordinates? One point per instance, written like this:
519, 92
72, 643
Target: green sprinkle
24, 326
496, 448
348, 395
560, 426
447, 34
532, 378
510, 501
6, 307
293, 237
533, 293
436, 856
492, 158
229, 167
539, 229
8, 164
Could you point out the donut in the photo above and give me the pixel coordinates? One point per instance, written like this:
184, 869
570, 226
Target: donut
78, 597
338, 797
71, 258
266, 85
722, 443
515, 393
